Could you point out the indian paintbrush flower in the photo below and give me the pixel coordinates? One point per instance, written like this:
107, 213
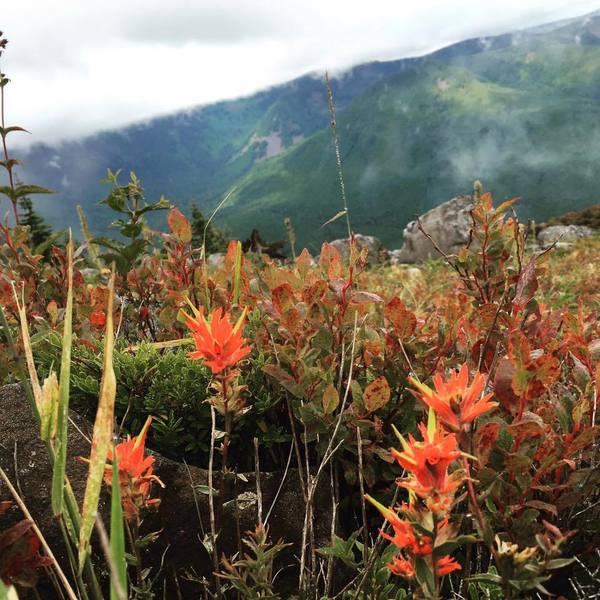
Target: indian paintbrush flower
413, 543
218, 342
135, 473
428, 463
455, 402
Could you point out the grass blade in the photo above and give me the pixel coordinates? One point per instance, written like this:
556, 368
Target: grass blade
102, 436
60, 463
117, 532
33, 376
237, 273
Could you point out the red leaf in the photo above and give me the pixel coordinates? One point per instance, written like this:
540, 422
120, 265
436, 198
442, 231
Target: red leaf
377, 394
179, 225
402, 320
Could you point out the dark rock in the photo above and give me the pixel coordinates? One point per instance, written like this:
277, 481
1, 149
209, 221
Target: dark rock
183, 514
256, 244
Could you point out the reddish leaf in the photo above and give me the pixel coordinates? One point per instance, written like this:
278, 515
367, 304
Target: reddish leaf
526, 287
364, 298
179, 225
377, 394
283, 297
402, 320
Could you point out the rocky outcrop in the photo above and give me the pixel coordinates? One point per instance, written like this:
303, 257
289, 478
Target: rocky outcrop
376, 255
215, 260
183, 515
448, 224
563, 234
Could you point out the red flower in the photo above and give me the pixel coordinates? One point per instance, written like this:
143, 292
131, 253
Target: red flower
428, 462
402, 567
404, 532
456, 402
98, 318
135, 473
217, 341
446, 564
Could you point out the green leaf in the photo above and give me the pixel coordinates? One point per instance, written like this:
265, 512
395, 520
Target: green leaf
451, 545
4, 131
60, 462
545, 506
487, 578
117, 531
335, 217
559, 563
41, 248
424, 575
237, 268
331, 399
284, 379
22, 190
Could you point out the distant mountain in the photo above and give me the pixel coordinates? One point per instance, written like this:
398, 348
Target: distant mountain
519, 111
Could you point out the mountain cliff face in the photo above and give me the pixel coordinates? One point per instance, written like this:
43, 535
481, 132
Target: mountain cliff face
519, 111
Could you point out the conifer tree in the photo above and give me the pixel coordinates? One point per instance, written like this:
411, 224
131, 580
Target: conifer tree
39, 230
215, 238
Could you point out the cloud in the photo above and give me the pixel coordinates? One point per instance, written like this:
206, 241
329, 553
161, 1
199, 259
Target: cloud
82, 66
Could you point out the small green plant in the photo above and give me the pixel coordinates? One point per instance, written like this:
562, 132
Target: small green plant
128, 200
251, 575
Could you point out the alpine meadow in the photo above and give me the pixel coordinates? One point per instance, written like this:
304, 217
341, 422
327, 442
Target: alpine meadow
334, 340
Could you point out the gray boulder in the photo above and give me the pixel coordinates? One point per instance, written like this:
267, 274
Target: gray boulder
377, 254
216, 260
563, 234
448, 224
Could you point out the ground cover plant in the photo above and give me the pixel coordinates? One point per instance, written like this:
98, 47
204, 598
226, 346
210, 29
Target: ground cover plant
449, 410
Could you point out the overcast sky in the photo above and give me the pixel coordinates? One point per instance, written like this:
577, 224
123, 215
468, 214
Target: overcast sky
82, 65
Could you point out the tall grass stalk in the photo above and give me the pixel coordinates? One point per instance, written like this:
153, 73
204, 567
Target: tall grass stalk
338, 155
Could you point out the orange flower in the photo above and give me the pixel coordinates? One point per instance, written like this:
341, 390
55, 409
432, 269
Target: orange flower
446, 564
404, 533
135, 473
130, 454
428, 461
456, 402
402, 567
98, 319
217, 341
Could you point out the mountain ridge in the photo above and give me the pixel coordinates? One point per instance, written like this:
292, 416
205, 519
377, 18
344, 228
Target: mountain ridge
399, 124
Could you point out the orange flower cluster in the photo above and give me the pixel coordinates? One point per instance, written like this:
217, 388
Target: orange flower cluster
428, 463
219, 343
455, 402
135, 474
413, 543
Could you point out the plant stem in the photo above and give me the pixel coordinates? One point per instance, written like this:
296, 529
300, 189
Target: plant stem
338, 156
39, 534
8, 166
211, 500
